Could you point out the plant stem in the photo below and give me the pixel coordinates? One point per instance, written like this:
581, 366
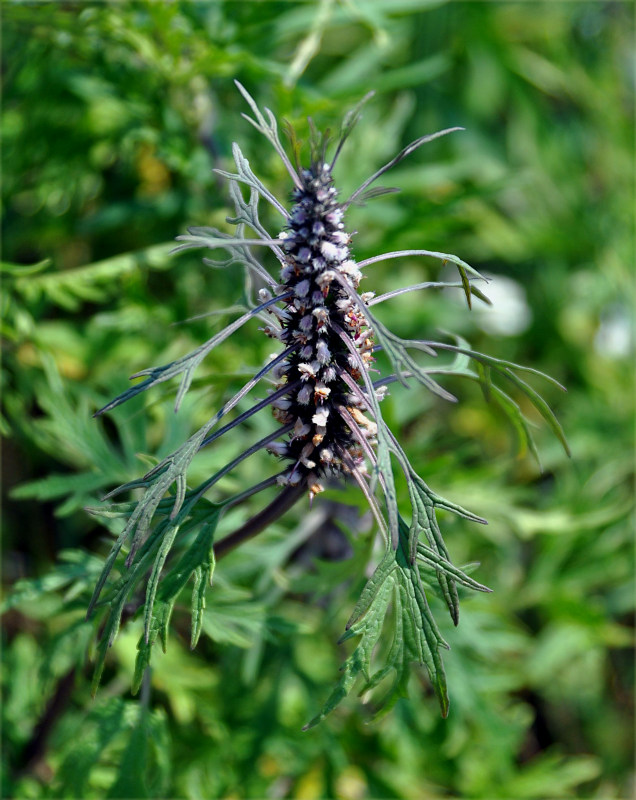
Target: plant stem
279, 505
31, 759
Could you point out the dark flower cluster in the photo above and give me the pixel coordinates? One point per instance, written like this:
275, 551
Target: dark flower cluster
318, 313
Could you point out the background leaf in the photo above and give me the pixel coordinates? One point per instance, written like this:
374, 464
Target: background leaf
114, 118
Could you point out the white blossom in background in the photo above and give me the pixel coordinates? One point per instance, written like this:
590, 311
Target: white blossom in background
615, 336
509, 314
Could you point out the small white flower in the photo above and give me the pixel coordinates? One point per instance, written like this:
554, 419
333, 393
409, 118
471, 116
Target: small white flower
281, 403
302, 288
306, 324
322, 352
381, 393
325, 278
334, 217
349, 267
321, 392
301, 429
306, 371
320, 417
329, 374
329, 250
304, 395
321, 314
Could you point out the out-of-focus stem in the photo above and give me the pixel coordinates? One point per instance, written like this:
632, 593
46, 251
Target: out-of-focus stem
279, 505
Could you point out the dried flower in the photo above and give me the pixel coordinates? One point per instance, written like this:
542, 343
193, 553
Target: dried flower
330, 424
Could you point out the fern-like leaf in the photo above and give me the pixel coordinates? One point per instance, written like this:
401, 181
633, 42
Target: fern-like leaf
396, 583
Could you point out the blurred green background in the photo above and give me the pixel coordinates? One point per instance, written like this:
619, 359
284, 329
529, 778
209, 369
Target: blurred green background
114, 115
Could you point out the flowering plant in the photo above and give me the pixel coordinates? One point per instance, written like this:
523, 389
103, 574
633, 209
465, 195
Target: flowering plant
330, 424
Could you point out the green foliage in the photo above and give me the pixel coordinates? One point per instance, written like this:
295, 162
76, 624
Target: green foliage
113, 118
142, 755
397, 579
416, 637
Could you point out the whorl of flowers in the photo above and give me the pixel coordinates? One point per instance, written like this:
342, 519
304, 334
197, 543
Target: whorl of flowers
330, 424
317, 266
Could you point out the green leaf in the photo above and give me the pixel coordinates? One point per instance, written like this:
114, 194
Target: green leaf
542, 407
131, 780
75, 572
195, 563
103, 725
415, 636
506, 369
94, 282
